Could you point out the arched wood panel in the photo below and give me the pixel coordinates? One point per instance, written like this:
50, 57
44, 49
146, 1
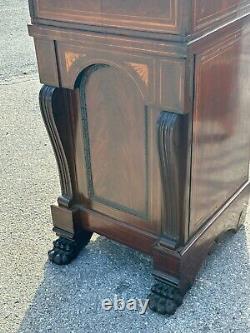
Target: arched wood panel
114, 120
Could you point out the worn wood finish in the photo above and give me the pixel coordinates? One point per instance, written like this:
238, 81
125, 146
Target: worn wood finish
146, 105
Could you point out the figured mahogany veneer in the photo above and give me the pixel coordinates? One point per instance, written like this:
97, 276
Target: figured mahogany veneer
146, 105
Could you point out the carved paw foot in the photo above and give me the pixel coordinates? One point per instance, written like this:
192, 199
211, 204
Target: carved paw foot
65, 250
164, 299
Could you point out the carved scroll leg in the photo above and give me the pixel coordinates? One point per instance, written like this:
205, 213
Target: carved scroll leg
55, 112
172, 155
165, 295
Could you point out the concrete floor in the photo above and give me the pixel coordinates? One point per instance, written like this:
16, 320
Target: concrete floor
36, 296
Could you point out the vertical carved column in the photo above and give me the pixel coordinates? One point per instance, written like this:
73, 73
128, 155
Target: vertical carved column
55, 111
51, 100
170, 151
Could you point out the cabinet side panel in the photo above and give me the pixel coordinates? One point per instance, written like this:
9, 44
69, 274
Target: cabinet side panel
220, 160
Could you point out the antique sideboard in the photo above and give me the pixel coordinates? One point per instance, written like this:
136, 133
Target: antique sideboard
146, 103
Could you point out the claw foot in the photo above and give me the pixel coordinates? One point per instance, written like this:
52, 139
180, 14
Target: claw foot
65, 250
164, 299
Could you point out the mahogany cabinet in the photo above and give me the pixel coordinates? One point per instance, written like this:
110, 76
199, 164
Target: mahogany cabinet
146, 103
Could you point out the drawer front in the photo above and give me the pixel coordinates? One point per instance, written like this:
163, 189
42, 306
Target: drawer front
212, 13
145, 15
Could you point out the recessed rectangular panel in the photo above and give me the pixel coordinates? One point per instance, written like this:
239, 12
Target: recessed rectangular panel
172, 81
220, 161
131, 14
46, 60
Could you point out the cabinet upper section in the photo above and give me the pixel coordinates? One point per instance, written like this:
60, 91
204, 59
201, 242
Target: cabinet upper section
177, 17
